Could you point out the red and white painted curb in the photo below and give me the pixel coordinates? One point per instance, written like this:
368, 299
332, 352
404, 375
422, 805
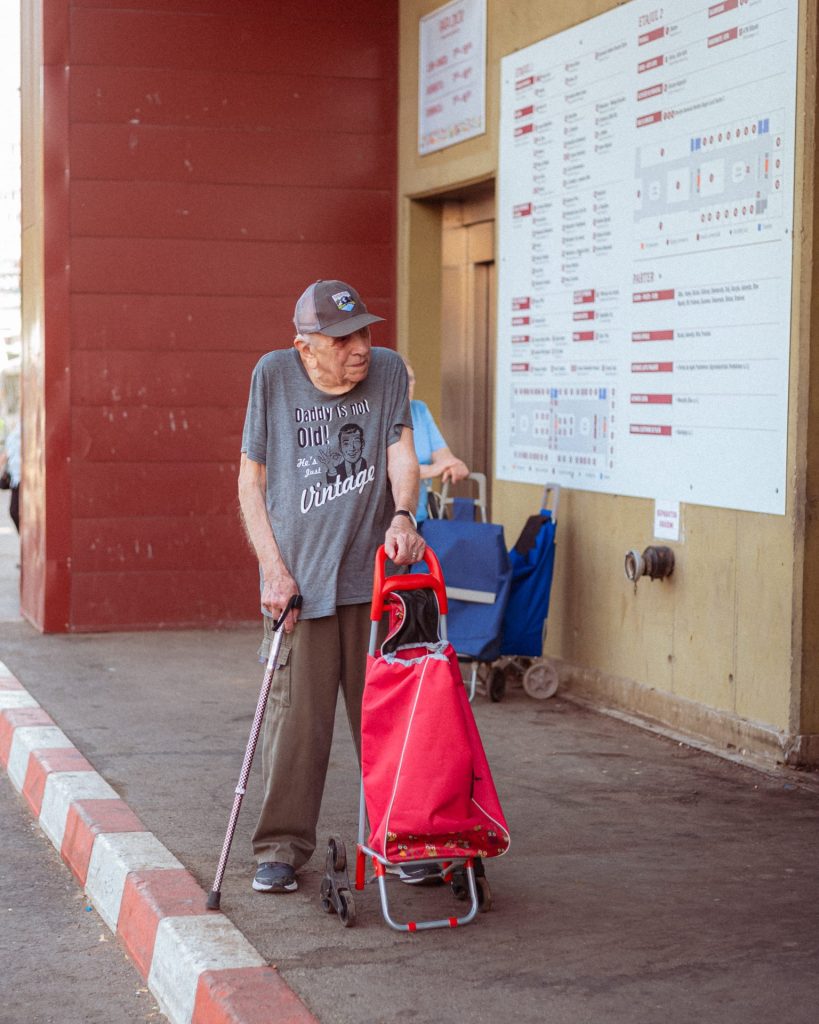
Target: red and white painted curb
199, 966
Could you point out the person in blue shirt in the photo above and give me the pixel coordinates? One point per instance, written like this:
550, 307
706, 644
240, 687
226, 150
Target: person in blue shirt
12, 464
434, 457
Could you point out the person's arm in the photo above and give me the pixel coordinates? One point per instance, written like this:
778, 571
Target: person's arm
442, 463
445, 465
279, 585
403, 544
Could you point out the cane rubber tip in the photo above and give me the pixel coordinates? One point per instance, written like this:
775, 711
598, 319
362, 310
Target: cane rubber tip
214, 899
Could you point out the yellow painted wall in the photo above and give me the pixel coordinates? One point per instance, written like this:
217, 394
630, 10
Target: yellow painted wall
725, 634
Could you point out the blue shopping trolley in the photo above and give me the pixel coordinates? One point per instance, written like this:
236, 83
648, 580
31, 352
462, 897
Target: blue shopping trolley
499, 600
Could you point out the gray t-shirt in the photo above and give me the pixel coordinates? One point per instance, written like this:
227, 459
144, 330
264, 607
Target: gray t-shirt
328, 496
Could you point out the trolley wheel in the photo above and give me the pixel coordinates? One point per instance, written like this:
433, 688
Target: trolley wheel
484, 895
337, 850
460, 887
325, 895
496, 685
346, 907
540, 680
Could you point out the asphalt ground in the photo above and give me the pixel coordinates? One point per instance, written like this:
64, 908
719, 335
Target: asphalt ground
61, 964
646, 881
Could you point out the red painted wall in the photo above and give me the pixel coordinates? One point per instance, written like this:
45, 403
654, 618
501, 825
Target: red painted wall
220, 157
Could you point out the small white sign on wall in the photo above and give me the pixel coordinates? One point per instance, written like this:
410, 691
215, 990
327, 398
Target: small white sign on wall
667, 520
452, 75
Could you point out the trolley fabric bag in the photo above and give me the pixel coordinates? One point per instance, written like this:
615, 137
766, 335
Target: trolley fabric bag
473, 557
427, 785
533, 564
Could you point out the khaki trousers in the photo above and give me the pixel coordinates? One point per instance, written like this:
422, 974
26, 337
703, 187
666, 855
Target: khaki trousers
298, 728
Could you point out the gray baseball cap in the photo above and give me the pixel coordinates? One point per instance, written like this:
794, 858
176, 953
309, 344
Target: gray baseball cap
331, 307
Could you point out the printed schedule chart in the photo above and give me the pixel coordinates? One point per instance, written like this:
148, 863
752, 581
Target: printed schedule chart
645, 217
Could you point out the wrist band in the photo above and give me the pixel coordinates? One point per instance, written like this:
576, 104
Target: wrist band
408, 514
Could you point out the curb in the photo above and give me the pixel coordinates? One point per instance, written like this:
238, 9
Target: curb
198, 966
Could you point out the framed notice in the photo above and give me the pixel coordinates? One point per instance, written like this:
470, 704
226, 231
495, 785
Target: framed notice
645, 224
452, 75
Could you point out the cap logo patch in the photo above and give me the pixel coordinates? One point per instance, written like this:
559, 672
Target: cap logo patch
344, 301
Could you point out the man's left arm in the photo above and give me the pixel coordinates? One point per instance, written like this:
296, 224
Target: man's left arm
403, 544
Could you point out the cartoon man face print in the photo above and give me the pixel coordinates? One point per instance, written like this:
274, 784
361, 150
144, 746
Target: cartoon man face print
351, 440
348, 458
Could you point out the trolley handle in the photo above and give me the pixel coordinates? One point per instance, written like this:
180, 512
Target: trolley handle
383, 585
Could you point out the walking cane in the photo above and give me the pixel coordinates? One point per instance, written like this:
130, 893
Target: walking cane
215, 895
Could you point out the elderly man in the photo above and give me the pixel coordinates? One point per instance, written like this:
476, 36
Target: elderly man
315, 511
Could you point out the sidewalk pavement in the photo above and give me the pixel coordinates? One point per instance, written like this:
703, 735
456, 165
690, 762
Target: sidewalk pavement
647, 881
9, 569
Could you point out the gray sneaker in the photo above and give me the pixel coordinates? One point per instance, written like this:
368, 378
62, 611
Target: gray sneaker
421, 874
273, 876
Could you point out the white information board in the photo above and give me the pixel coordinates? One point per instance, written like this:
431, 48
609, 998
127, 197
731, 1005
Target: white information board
645, 208
452, 75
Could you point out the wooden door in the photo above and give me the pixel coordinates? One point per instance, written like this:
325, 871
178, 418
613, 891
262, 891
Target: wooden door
468, 328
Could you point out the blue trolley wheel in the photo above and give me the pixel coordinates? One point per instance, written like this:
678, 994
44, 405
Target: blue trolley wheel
540, 680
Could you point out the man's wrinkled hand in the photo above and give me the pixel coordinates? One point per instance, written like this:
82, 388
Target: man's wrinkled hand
402, 544
276, 592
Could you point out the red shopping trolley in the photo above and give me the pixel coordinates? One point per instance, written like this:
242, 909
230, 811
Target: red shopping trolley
426, 787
